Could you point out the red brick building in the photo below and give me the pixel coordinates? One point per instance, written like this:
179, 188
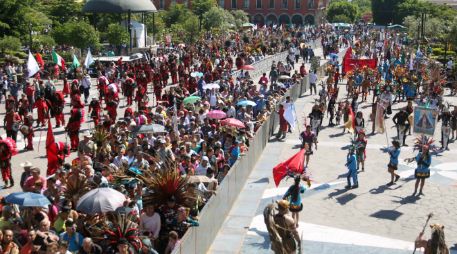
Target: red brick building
269, 12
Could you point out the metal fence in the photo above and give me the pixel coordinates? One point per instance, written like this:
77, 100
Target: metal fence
198, 240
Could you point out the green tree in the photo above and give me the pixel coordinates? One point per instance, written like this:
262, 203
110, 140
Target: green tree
176, 14
117, 35
62, 11
387, 11
191, 28
240, 17
200, 7
42, 41
9, 44
342, 11
78, 34
433, 28
218, 18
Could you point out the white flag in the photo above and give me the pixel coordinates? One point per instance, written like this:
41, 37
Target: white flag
89, 59
32, 65
290, 116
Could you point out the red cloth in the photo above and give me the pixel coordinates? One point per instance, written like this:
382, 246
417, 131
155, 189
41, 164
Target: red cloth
39, 59
350, 63
51, 151
294, 164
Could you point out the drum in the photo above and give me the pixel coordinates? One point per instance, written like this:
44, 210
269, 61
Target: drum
24, 129
15, 127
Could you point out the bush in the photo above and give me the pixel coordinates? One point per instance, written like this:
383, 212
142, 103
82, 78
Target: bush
9, 44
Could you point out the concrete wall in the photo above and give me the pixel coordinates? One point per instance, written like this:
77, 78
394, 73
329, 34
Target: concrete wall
198, 240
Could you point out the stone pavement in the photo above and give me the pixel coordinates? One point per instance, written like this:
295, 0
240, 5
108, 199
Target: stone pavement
375, 218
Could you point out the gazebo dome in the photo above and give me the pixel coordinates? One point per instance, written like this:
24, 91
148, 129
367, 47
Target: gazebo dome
119, 6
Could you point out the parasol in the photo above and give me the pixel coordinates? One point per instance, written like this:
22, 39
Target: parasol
198, 179
191, 99
245, 103
247, 67
196, 74
284, 77
28, 199
216, 114
211, 86
151, 128
233, 122
100, 200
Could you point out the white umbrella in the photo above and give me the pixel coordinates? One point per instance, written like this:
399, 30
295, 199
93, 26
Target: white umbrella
211, 86
100, 200
136, 56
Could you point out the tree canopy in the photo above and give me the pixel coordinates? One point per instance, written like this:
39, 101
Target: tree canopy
342, 11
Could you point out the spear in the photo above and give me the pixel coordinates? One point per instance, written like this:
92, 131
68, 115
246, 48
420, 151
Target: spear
430, 215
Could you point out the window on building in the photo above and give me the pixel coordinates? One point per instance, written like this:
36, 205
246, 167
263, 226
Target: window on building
297, 4
310, 4
221, 3
284, 4
245, 4
258, 4
233, 4
272, 4
161, 4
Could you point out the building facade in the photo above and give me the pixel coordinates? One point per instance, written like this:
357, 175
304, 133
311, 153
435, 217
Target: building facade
268, 12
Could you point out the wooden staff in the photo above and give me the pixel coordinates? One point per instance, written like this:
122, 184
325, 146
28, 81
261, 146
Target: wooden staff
430, 215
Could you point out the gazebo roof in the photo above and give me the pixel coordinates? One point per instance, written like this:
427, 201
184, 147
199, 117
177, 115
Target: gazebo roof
119, 6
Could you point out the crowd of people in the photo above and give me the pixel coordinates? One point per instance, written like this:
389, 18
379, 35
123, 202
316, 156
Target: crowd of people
190, 112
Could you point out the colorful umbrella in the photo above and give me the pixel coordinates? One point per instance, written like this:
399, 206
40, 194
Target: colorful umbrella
196, 74
233, 122
191, 99
100, 200
28, 199
247, 67
216, 114
211, 86
245, 103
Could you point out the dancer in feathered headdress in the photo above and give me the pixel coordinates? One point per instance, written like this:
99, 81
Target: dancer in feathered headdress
423, 159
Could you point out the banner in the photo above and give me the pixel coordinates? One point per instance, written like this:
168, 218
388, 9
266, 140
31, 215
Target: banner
379, 118
350, 63
425, 120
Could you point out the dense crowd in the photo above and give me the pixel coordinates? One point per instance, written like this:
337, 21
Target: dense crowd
196, 110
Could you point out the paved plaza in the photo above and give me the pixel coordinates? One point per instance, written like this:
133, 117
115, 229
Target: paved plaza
375, 218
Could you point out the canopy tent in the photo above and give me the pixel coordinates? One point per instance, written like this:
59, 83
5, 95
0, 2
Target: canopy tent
119, 6
135, 29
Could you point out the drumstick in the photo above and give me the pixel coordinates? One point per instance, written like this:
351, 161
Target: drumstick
430, 215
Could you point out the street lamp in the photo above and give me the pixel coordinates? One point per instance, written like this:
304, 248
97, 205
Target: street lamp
30, 35
446, 42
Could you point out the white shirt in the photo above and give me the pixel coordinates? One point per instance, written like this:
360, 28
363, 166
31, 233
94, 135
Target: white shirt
150, 224
313, 78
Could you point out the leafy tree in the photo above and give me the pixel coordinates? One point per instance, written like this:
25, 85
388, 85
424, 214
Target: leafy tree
62, 11
240, 17
218, 18
191, 28
342, 11
9, 44
200, 7
177, 13
387, 11
433, 28
42, 41
79, 34
117, 35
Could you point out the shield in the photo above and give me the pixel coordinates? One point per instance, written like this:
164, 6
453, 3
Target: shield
100, 200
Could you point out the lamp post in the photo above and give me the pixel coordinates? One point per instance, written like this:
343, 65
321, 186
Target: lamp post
30, 35
446, 42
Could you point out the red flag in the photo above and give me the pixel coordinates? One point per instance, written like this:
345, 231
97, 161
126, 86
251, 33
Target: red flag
51, 151
39, 59
295, 164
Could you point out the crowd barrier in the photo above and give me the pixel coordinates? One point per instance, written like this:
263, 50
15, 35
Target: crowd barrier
198, 240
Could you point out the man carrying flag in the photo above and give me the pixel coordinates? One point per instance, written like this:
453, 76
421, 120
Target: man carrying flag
32, 65
89, 59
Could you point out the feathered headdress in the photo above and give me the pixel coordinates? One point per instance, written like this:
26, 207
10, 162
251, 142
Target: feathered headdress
123, 227
425, 142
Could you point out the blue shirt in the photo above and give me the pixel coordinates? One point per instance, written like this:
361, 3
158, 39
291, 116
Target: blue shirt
288, 195
352, 162
423, 166
394, 156
75, 242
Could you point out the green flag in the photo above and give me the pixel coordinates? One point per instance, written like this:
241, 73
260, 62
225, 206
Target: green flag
75, 63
